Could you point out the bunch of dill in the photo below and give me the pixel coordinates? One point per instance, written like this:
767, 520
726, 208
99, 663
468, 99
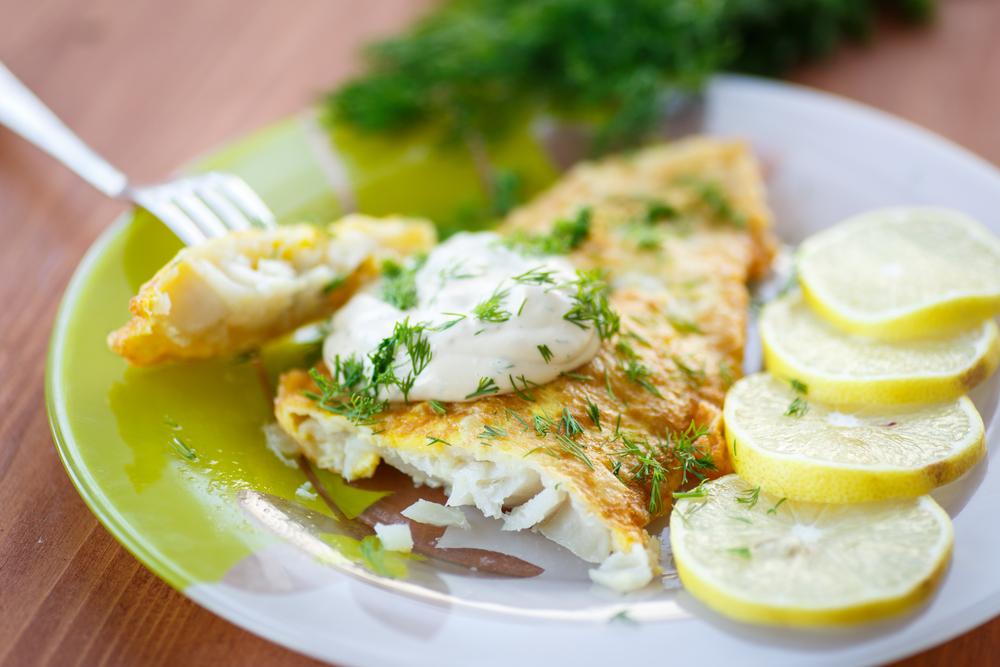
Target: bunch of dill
465, 63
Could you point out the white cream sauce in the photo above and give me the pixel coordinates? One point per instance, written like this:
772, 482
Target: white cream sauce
459, 274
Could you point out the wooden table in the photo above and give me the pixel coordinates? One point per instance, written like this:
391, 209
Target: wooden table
150, 84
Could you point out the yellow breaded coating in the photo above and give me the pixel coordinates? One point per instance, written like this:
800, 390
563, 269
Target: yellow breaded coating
232, 293
680, 229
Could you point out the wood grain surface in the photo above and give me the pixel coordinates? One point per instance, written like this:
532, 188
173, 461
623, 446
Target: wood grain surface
151, 83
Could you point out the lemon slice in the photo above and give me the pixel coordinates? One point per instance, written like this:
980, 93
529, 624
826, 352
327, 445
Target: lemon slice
803, 450
807, 564
844, 369
900, 273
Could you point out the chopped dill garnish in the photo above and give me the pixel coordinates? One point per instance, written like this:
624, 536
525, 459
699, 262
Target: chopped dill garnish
697, 492
590, 304
797, 407
491, 310
399, 286
431, 440
183, 449
569, 425
635, 336
692, 461
566, 235
726, 374
359, 408
607, 386
594, 413
579, 377
492, 432
750, 497
334, 284
742, 552
351, 392
519, 418
574, 449
545, 352
536, 276
694, 376
639, 373
487, 385
542, 425
456, 318
714, 198
634, 369
522, 390
683, 326
437, 407
520, 309
657, 210
799, 387
646, 467
774, 510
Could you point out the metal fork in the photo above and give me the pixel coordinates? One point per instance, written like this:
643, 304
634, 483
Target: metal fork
195, 208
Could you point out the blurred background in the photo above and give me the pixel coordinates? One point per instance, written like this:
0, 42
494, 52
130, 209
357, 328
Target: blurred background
151, 84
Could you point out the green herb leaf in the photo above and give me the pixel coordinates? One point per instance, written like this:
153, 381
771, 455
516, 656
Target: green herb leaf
487, 385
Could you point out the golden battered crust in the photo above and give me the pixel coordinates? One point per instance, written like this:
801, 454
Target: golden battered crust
683, 307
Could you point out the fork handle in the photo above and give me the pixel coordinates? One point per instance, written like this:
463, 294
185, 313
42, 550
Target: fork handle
25, 114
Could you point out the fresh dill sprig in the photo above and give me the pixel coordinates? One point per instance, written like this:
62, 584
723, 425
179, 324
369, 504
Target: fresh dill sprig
646, 467
574, 449
797, 407
543, 425
545, 352
468, 62
569, 425
565, 236
487, 385
591, 306
437, 407
431, 440
726, 374
750, 497
594, 413
360, 408
183, 449
456, 318
693, 376
491, 310
491, 432
684, 326
634, 369
742, 552
399, 283
774, 510
520, 420
692, 461
657, 211
536, 276
712, 196
607, 386
336, 282
522, 390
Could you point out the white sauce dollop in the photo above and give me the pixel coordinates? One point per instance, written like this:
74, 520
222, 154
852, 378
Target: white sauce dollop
459, 274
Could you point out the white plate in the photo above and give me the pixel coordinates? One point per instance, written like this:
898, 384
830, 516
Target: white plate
825, 159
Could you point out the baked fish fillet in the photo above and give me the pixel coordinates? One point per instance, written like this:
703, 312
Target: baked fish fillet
232, 293
589, 459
